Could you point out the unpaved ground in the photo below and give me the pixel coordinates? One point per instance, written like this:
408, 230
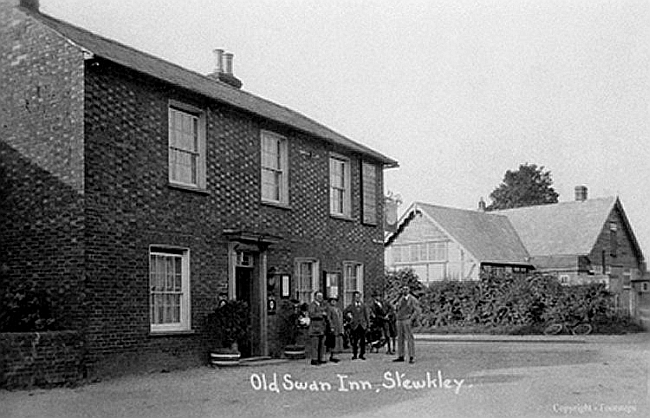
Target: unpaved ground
604, 376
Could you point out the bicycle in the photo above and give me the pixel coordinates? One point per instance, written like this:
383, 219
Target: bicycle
576, 328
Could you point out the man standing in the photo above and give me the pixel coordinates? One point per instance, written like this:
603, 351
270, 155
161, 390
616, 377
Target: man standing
317, 316
334, 336
359, 317
406, 312
379, 320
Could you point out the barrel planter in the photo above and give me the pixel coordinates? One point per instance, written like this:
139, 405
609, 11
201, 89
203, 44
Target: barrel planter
224, 358
294, 352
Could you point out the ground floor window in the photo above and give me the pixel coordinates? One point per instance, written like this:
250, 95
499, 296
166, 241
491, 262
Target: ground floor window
306, 279
352, 280
169, 296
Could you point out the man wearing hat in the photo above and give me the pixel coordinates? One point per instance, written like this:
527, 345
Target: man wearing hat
317, 324
334, 335
359, 318
379, 314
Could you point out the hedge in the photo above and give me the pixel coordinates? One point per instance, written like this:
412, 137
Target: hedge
505, 301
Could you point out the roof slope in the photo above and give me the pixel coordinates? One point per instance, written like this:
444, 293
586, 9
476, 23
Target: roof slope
161, 69
567, 228
488, 237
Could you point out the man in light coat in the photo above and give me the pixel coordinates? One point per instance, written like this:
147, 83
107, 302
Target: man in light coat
318, 316
406, 310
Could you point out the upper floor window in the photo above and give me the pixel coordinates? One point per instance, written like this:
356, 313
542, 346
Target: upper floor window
186, 145
613, 241
340, 194
369, 185
275, 176
169, 289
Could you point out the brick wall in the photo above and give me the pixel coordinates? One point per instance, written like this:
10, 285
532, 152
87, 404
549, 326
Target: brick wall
625, 259
41, 161
625, 253
41, 359
85, 193
642, 314
130, 206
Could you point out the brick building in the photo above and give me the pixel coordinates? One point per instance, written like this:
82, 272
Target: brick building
138, 192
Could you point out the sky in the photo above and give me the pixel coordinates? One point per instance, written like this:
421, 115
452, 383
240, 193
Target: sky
457, 91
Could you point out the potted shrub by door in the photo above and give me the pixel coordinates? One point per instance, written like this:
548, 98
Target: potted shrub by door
292, 329
228, 325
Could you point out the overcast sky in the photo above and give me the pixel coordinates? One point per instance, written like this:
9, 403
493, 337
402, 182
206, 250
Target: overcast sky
457, 91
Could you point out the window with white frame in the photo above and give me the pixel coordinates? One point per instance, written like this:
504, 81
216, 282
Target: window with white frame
437, 251
352, 280
369, 185
421, 252
564, 279
627, 278
306, 279
275, 175
340, 194
186, 145
397, 253
169, 289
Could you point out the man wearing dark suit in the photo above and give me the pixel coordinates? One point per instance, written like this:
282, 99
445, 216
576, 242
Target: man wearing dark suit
359, 317
317, 317
379, 318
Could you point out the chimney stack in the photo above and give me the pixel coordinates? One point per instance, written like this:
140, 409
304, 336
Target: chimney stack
581, 193
481, 205
30, 4
223, 70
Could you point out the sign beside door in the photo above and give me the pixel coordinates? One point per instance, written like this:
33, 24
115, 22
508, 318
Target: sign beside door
332, 285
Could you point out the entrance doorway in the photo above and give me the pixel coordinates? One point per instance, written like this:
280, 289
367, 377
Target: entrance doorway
244, 292
247, 281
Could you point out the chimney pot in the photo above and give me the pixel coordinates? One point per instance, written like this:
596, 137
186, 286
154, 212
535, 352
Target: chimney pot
481, 205
581, 193
223, 72
228, 56
218, 55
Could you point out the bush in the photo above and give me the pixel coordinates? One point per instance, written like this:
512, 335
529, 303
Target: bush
394, 280
229, 323
288, 314
508, 304
26, 308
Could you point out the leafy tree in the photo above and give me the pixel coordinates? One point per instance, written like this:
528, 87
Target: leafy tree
530, 185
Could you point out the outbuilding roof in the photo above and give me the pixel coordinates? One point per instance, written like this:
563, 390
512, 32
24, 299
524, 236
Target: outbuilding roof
546, 236
487, 237
155, 67
568, 228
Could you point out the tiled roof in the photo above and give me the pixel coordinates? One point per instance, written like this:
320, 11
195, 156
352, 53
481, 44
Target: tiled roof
488, 237
555, 262
179, 76
567, 228
547, 236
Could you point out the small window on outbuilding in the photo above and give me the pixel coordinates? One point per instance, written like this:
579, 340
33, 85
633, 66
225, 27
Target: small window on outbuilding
613, 240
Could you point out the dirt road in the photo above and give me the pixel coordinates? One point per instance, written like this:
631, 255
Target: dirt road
600, 376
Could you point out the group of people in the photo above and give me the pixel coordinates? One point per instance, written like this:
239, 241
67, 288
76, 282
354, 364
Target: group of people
391, 321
